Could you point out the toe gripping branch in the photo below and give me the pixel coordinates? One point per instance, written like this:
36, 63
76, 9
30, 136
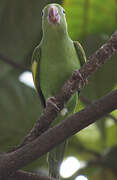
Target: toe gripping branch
75, 76
52, 101
82, 82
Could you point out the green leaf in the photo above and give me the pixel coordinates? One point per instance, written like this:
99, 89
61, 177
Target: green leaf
86, 17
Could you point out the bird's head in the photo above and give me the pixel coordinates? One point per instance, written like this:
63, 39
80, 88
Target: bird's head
53, 18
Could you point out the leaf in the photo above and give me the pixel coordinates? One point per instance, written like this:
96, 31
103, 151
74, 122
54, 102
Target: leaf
86, 17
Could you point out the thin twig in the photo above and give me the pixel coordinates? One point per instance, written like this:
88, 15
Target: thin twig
13, 63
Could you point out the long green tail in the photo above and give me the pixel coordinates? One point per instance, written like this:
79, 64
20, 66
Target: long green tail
55, 159
56, 155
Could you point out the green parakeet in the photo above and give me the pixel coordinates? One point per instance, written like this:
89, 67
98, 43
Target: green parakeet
53, 62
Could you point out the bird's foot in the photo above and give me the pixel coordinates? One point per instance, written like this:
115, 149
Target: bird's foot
52, 101
77, 73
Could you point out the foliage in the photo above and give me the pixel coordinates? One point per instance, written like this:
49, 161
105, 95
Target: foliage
90, 22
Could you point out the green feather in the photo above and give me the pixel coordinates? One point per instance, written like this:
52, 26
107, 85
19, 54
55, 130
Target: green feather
54, 60
80, 52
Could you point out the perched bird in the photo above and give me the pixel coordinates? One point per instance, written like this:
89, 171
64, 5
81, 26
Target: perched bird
53, 62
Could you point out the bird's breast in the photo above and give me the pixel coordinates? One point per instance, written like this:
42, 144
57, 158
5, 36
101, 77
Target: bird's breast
56, 66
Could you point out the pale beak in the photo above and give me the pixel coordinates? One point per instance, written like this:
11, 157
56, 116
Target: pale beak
53, 15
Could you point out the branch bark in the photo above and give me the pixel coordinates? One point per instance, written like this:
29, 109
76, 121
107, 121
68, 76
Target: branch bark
73, 84
13, 63
86, 101
38, 146
22, 175
10, 162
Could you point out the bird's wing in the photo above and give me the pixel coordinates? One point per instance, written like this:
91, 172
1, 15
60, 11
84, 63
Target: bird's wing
36, 57
80, 52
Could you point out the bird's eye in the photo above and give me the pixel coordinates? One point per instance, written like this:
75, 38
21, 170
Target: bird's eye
42, 13
63, 11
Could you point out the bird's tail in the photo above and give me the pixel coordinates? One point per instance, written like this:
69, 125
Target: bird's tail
55, 159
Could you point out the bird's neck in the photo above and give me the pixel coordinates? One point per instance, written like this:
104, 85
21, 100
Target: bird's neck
55, 36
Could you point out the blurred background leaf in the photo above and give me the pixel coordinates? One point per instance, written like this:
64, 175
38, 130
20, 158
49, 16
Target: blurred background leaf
90, 22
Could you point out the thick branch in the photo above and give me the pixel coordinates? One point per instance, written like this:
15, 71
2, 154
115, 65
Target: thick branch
22, 175
10, 162
86, 101
13, 63
72, 85
15, 160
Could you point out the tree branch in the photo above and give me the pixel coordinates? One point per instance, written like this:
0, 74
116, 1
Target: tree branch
22, 175
13, 63
73, 84
86, 101
10, 162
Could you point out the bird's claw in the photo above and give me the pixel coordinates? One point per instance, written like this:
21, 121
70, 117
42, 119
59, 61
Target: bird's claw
52, 101
77, 73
